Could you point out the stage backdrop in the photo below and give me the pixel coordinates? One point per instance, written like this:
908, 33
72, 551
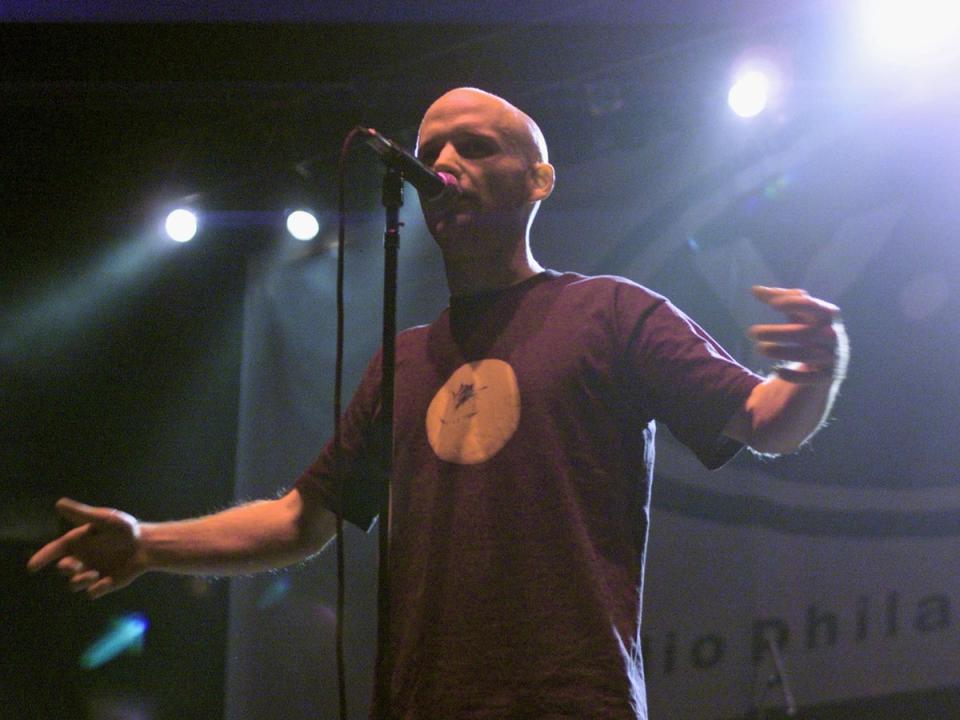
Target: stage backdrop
844, 556
856, 586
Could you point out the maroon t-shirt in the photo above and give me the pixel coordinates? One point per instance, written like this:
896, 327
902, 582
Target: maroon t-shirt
522, 469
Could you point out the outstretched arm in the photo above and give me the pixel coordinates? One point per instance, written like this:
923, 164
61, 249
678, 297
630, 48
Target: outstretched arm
108, 549
793, 403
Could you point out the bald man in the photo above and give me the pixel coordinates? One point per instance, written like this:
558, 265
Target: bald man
524, 426
499, 157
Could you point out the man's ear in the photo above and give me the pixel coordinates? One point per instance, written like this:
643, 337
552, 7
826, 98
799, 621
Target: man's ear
542, 178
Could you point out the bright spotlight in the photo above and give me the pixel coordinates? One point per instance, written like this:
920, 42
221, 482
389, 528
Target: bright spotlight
749, 93
181, 225
303, 225
910, 32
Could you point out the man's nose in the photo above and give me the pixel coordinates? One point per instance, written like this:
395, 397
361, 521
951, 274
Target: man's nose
448, 160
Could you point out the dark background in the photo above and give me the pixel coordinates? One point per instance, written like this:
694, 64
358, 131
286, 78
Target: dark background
121, 356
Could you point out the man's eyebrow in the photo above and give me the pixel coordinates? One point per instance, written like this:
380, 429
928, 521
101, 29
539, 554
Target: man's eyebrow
460, 134
478, 132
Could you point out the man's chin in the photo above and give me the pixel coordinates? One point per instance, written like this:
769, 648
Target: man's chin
467, 225
452, 226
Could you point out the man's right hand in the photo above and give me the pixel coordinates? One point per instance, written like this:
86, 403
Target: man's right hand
101, 554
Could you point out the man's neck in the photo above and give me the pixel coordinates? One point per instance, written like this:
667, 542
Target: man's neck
473, 275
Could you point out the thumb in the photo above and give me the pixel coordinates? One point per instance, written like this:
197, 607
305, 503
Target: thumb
78, 513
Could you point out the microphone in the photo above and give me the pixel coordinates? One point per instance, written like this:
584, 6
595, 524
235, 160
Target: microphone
435, 188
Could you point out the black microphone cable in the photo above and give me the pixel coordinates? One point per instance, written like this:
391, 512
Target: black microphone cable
337, 403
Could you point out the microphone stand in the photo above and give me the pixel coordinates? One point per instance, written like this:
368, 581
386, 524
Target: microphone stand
777, 677
392, 200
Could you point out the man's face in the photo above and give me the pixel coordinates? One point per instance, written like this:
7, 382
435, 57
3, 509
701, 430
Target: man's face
480, 141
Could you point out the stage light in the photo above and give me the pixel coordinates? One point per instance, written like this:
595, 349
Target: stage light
181, 225
749, 93
124, 635
914, 32
302, 225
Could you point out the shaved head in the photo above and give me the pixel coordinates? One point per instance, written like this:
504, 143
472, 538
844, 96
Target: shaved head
515, 125
498, 157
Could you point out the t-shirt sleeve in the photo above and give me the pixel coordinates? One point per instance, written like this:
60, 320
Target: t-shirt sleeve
361, 457
685, 379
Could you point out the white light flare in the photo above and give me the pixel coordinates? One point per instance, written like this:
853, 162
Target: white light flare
181, 225
750, 93
303, 225
918, 32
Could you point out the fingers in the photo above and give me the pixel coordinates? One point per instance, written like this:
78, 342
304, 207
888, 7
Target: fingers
81, 578
56, 549
814, 355
78, 513
101, 587
814, 336
798, 342
95, 556
797, 304
90, 582
793, 333
801, 377
70, 566
84, 580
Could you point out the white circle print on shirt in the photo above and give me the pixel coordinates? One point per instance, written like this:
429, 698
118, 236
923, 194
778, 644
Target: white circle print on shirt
475, 413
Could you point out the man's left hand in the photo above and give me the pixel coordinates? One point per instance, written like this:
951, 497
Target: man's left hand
812, 345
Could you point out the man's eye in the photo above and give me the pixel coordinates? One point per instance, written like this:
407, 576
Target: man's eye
475, 148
